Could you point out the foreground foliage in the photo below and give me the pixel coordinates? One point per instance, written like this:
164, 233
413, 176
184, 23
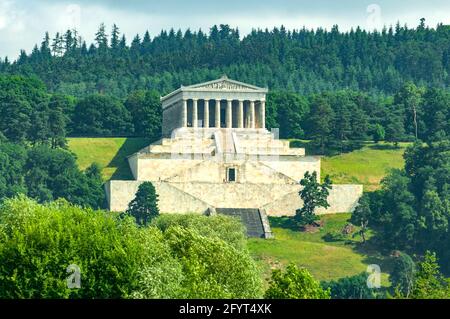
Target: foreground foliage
411, 211
231, 230
295, 283
354, 287
117, 259
428, 282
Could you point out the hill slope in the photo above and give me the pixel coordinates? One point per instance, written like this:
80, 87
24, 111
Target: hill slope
366, 166
109, 153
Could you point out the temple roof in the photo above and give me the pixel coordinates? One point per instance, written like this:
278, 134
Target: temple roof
219, 85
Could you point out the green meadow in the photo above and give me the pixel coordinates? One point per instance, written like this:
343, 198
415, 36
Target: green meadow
325, 259
365, 166
110, 153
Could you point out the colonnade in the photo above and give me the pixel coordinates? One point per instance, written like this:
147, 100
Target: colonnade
221, 113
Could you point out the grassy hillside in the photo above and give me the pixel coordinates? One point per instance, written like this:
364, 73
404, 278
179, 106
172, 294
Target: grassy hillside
366, 166
110, 153
325, 260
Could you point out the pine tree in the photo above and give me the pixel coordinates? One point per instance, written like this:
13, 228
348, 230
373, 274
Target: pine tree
45, 46
58, 45
69, 41
101, 38
115, 37
320, 122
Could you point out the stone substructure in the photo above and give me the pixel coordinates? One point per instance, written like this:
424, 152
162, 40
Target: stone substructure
217, 154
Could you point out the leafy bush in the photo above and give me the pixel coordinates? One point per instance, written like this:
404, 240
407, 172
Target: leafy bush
334, 236
354, 287
295, 283
229, 229
117, 259
212, 268
402, 274
38, 243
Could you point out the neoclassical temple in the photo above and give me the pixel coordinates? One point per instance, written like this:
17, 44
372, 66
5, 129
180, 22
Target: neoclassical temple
222, 103
217, 157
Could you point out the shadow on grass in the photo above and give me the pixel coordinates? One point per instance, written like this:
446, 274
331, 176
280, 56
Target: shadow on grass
119, 161
375, 253
384, 147
283, 222
331, 149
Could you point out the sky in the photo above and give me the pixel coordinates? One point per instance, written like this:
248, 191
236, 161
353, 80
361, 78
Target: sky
23, 23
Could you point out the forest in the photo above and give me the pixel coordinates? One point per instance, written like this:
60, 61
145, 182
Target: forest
335, 89
302, 61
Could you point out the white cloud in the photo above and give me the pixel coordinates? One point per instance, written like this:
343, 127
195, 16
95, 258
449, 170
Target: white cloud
10, 18
23, 23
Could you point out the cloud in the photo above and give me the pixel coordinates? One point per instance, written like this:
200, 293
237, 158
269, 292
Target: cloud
10, 18
24, 22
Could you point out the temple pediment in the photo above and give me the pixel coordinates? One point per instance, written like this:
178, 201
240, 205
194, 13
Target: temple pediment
225, 84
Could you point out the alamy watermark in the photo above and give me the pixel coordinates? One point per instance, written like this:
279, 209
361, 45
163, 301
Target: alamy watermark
374, 19
74, 278
374, 278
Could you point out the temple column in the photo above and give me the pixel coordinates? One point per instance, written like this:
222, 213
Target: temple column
263, 114
217, 113
252, 114
229, 118
194, 113
206, 114
241, 114
184, 116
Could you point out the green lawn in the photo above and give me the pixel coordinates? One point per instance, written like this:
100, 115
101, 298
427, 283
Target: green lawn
365, 166
325, 260
109, 153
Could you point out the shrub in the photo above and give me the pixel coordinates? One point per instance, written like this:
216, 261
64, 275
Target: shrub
116, 257
212, 268
295, 283
354, 287
231, 230
38, 243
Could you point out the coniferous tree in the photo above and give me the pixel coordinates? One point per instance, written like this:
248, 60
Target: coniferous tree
320, 122
101, 38
115, 37
58, 45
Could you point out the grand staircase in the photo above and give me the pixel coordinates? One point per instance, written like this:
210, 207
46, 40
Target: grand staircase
254, 220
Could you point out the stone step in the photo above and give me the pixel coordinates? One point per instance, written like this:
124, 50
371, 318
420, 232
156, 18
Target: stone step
250, 217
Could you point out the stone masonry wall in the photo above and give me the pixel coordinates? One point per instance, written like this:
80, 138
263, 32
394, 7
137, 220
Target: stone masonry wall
172, 119
256, 172
276, 199
171, 200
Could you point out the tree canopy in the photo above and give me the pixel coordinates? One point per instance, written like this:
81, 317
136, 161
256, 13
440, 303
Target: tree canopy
115, 257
